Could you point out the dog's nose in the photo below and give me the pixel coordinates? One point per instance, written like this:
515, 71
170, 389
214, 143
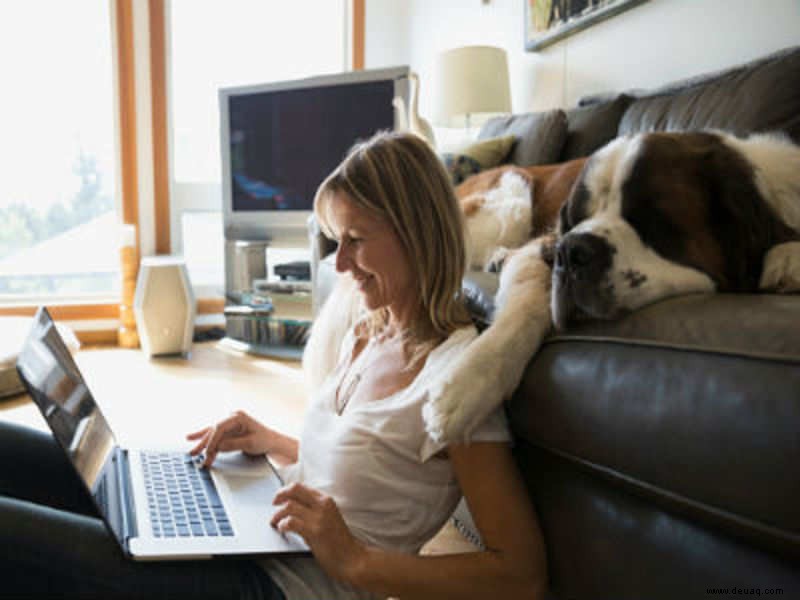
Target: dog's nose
583, 255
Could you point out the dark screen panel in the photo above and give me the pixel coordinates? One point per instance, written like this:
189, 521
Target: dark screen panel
284, 143
56, 386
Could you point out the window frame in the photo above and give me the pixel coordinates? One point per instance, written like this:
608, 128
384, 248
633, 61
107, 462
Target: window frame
127, 204
134, 125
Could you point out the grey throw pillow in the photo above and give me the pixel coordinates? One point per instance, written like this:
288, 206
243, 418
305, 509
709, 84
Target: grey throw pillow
592, 126
540, 136
474, 157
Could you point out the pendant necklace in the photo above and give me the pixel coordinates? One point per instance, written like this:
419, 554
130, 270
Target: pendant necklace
343, 395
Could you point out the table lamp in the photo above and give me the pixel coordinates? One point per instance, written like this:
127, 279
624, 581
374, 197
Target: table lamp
469, 81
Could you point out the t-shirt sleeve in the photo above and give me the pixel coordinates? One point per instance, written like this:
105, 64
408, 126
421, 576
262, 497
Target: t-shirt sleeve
493, 429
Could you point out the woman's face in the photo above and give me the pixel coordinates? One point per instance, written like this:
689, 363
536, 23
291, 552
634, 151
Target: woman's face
370, 250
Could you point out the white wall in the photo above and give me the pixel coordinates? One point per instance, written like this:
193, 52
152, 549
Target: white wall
652, 44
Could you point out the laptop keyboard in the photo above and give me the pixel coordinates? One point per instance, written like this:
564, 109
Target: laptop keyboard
182, 498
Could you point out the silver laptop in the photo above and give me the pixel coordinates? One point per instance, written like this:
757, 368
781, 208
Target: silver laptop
158, 505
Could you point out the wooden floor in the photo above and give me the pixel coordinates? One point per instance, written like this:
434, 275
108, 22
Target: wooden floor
153, 403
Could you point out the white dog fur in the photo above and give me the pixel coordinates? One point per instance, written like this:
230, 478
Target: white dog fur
503, 220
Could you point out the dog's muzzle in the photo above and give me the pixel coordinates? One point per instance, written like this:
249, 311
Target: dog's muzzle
581, 283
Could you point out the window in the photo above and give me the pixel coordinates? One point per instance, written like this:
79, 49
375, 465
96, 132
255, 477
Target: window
214, 45
58, 234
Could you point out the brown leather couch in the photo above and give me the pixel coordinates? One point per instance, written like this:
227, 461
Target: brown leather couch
662, 450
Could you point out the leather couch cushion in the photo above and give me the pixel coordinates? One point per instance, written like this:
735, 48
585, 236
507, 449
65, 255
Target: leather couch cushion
540, 136
692, 402
479, 288
604, 542
760, 96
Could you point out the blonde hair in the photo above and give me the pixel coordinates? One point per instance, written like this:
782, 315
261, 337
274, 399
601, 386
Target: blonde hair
397, 177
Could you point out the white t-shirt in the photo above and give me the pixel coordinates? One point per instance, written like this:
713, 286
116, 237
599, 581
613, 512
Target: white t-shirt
380, 466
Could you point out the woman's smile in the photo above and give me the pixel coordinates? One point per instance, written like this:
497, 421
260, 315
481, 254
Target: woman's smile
363, 282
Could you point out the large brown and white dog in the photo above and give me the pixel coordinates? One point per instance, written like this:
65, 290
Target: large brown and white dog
651, 216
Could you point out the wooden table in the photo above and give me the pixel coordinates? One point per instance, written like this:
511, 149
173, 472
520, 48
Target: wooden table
155, 402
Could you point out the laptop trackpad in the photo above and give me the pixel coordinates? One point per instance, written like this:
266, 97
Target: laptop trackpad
238, 464
246, 480
247, 485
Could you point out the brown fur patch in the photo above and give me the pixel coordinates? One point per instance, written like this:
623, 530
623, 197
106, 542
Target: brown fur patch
550, 186
471, 204
694, 200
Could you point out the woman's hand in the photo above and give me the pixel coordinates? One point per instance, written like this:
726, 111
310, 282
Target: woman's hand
240, 431
315, 517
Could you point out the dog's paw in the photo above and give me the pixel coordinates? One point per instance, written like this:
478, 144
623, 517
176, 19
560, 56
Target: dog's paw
440, 411
781, 272
461, 401
544, 247
497, 259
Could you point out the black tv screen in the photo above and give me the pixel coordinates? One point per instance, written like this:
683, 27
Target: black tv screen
284, 143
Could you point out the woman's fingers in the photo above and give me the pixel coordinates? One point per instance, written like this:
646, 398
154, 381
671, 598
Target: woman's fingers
232, 426
298, 493
198, 448
197, 434
229, 434
291, 509
293, 524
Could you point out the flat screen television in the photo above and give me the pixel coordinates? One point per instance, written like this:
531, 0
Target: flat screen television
280, 140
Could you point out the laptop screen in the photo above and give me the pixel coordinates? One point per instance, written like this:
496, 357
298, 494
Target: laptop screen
59, 390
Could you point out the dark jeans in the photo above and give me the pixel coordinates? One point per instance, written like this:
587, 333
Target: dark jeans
52, 542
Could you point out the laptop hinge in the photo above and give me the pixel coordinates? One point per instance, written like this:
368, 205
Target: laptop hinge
127, 511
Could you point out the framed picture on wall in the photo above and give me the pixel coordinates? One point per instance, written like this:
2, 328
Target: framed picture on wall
548, 21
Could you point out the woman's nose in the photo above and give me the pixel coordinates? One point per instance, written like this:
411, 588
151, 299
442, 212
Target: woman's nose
342, 258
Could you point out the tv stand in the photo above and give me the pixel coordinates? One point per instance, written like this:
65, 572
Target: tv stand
281, 351
268, 309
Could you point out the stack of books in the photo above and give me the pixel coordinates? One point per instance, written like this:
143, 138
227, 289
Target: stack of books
291, 300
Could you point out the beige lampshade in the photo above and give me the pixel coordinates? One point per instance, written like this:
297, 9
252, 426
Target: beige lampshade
468, 81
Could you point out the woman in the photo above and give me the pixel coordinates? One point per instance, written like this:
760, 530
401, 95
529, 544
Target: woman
367, 485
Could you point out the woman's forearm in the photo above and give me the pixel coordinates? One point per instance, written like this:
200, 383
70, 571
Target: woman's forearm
283, 449
471, 575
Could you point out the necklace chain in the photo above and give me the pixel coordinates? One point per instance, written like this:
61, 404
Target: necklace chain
343, 396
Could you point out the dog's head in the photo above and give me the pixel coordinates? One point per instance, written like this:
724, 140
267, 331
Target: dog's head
657, 215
